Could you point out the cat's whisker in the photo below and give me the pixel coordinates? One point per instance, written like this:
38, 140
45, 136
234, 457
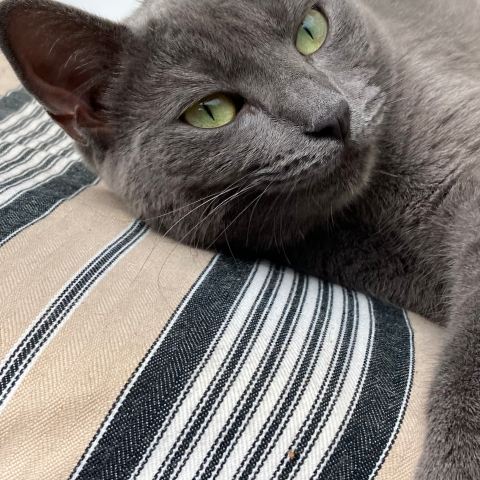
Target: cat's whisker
253, 210
244, 210
241, 213
284, 205
198, 224
387, 173
396, 80
155, 244
250, 221
147, 165
213, 211
281, 226
406, 79
274, 219
400, 100
205, 199
230, 249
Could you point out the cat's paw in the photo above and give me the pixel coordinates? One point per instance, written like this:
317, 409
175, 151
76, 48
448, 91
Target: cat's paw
451, 455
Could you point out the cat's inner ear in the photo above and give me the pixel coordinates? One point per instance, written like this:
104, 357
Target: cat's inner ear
66, 59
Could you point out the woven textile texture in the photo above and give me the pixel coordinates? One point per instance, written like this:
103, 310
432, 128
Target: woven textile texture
124, 355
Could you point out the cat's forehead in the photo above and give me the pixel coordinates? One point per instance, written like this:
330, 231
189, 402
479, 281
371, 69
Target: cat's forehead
219, 12
217, 32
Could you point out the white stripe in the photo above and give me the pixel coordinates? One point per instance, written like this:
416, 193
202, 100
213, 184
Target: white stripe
215, 356
328, 355
60, 143
247, 445
401, 413
26, 128
298, 329
221, 357
207, 399
35, 139
40, 139
289, 361
35, 165
10, 147
36, 354
13, 119
58, 168
11, 155
45, 131
16, 134
139, 371
337, 407
342, 414
222, 406
30, 160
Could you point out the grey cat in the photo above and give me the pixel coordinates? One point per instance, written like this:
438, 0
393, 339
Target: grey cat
358, 162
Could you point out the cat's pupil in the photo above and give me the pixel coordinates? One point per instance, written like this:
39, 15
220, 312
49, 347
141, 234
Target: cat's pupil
308, 31
210, 114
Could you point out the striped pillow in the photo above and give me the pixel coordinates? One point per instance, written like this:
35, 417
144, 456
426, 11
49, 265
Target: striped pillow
127, 356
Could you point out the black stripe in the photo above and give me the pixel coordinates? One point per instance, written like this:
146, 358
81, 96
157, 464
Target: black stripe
200, 367
229, 372
354, 397
313, 424
246, 321
132, 429
13, 102
33, 204
385, 387
39, 130
24, 353
23, 156
258, 385
292, 392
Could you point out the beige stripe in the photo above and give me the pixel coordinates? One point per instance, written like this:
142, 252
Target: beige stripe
38, 262
61, 403
8, 79
403, 458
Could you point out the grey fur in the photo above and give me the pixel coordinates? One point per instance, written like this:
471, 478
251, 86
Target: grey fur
394, 211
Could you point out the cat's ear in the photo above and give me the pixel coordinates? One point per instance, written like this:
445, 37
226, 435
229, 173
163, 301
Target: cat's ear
66, 59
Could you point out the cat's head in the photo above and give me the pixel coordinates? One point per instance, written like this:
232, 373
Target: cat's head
296, 112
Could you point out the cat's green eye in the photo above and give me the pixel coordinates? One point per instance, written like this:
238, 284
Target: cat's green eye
312, 32
211, 112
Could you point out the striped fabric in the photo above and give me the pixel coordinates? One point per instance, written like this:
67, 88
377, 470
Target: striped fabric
265, 380
38, 169
125, 356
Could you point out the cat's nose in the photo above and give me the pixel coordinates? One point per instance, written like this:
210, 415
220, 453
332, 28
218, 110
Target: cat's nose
334, 122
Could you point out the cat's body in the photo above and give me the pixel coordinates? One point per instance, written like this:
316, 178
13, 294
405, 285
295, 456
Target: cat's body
393, 241
391, 208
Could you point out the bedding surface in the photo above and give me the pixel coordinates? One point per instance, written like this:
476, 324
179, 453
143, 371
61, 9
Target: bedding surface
124, 355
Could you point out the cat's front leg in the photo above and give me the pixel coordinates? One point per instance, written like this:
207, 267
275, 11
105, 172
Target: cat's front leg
452, 449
